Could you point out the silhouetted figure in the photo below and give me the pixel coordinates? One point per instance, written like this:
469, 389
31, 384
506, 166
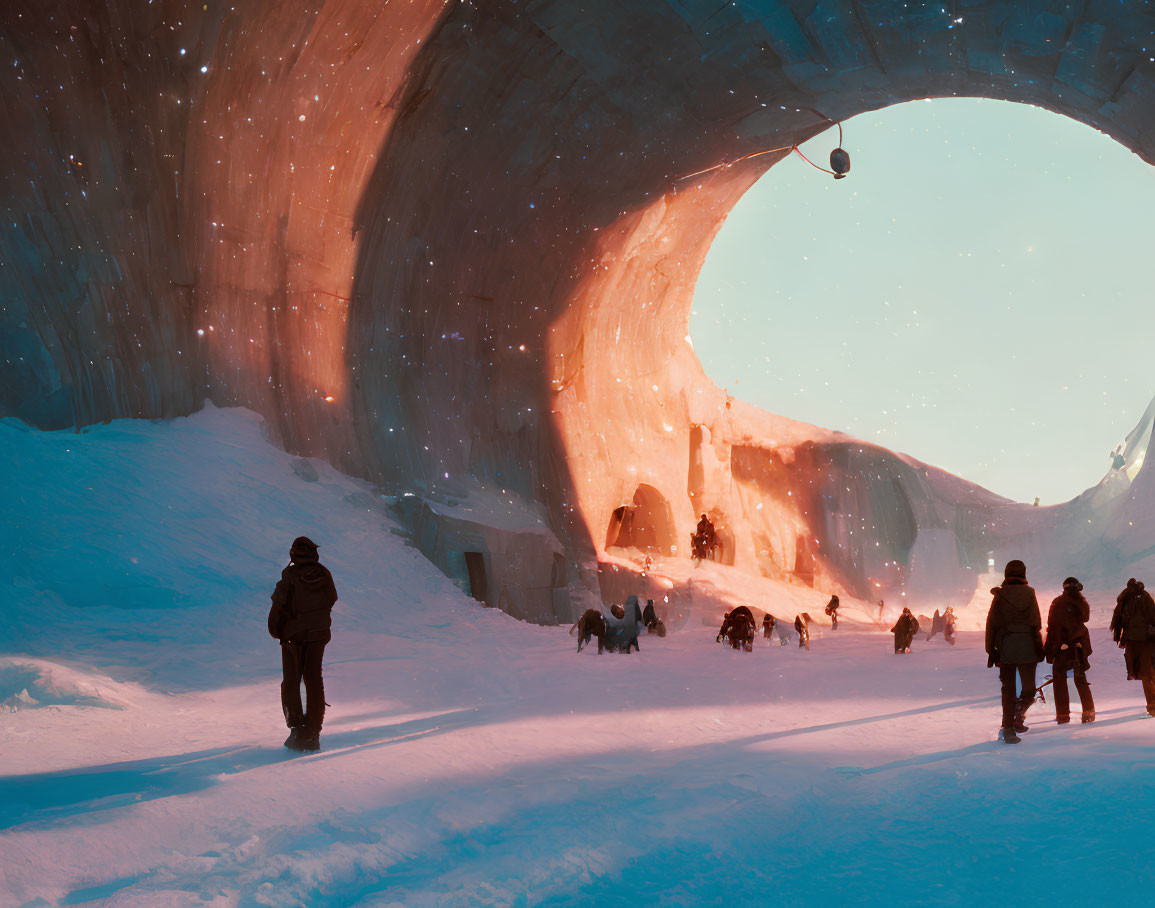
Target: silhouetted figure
768, 622
591, 624
904, 630
703, 540
832, 611
301, 617
881, 606
1133, 628
1014, 643
1067, 647
654, 624
948, 626
738, 628
802, 628
1118, 461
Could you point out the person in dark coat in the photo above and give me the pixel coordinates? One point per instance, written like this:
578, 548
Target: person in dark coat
738, 628
704, 539
948, 626
1067, 647
832, 611
301, 618
1014, 643
1133, 628
768, 622
904, 630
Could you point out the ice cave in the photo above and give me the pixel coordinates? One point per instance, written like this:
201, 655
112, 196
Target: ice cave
411, 279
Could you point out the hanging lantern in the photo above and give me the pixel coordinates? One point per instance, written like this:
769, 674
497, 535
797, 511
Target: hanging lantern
839, 163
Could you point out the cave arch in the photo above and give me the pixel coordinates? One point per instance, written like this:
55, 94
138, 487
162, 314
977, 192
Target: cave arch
647, 523
452, 250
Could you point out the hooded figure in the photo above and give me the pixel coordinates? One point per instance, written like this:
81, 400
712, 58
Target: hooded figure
1014, 643
1133, 628
738, 627
1067, 646
904, 630
300, 617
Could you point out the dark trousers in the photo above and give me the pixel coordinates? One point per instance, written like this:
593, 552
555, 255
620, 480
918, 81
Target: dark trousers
1063, 695
1011, 703
302, 662
1149, 694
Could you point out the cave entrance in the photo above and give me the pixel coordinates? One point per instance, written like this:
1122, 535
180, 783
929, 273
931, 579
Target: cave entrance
861, 305
646, 524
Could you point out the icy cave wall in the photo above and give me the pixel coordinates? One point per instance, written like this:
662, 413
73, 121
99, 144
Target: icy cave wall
445, 245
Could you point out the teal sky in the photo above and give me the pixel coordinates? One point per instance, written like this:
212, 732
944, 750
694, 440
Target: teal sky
974, 294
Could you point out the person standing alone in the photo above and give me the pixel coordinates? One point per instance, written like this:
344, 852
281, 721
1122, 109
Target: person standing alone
301, 617
1133, 628
1067, 646
1014, 643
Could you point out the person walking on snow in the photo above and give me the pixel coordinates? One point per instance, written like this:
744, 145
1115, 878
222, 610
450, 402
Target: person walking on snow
1133, 628
1067, 646
832, 611
1014, 643
301, 617
904, 630
802, 627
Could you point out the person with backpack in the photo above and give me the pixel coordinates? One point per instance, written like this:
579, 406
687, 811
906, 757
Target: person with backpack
1133, 628
301, 618
1067, 647
1014, 643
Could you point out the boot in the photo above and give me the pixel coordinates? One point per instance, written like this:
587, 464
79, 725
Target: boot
1063, 720
308, 741
1020, 725
1009, 736
1088, 716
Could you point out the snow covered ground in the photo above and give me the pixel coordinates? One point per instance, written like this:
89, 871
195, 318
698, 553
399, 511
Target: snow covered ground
472, 759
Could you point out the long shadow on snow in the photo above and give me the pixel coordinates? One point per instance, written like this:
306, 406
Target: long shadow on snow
55, 795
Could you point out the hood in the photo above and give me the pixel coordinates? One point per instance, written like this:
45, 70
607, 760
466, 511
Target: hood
1019, 599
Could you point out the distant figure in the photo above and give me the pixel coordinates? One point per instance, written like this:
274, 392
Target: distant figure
881, 606
802, 627
1133, 628
738, 627
592, 624
768, 622
1014, 643
943, 623
1118, 461
832, 611
704, 539
1067, 646
948, 626
654, 624
301, 617
1036, 504
904, 630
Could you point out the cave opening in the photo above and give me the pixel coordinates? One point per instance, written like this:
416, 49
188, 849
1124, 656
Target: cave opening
939, 301
647, 523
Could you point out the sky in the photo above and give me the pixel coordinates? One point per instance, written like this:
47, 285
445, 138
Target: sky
975, 293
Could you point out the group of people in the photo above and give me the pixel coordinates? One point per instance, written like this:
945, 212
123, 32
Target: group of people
907, 626
739, 628
1015, 644
300, 619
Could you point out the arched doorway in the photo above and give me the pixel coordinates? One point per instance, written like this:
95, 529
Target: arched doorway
647, 523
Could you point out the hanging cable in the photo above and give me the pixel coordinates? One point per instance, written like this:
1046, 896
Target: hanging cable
839, 159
